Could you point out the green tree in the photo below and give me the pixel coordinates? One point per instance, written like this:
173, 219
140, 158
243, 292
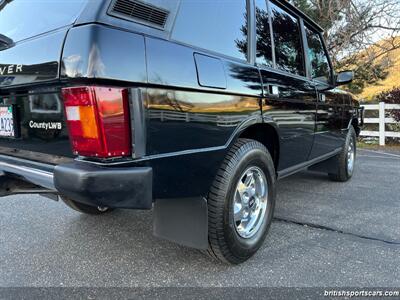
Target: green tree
391, 97
354, 30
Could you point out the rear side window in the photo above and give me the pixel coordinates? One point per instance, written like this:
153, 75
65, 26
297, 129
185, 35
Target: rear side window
264, 48
217, 25
21, 19
288, 43
320, 68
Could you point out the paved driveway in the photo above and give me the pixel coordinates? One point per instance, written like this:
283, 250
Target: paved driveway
325, 234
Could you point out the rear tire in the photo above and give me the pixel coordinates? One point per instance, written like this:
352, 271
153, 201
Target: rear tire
85, 209
241, 202
345, 161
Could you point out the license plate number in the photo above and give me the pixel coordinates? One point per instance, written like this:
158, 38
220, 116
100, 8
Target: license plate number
7, 121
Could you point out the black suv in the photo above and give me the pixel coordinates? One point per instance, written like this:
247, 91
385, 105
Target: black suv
192, 108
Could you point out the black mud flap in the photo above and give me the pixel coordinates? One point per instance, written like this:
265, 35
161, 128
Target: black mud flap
327, 166
183, 221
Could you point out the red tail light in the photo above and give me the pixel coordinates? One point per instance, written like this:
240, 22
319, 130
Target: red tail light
98, 121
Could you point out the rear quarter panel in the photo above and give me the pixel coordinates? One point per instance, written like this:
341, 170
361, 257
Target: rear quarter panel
182, 114
188, 127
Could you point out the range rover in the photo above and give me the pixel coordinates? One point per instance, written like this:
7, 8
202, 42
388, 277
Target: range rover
193, 109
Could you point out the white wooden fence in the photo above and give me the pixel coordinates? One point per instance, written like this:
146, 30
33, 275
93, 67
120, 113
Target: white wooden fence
382, 121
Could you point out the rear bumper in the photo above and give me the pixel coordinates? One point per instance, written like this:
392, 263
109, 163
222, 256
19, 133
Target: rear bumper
178, 219
87, 183
37, 173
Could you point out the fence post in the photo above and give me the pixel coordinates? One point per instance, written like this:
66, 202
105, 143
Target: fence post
382, 123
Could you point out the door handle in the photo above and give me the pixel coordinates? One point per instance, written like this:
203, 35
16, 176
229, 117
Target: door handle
273, 90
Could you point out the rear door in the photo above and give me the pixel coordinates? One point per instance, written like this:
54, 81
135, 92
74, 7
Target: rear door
290, 95
32, 34
329, 135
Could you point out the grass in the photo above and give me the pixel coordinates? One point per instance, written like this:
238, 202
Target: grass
391, 81
374, 145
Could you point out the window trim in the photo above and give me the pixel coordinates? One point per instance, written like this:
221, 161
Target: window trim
307, 61
331, 83
251, 32
271, 33
300, 21
260, 65
306, 46
214, 52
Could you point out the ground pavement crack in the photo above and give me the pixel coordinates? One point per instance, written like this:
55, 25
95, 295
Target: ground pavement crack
322, 227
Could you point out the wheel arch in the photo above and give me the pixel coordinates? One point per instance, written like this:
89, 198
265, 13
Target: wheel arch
264, 132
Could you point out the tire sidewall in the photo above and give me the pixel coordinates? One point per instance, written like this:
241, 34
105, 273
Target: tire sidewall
242, 247
351, 137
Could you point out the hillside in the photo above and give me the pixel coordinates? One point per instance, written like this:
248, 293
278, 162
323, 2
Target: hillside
391, 81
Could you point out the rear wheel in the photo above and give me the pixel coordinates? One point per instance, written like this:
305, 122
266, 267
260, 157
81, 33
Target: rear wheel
345, 161
85, 209
241, 202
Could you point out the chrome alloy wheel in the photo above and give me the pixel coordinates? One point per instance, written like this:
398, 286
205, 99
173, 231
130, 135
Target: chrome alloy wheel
250, 202
351, 157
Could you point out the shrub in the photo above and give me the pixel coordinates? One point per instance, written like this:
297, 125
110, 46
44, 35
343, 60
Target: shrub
392, 97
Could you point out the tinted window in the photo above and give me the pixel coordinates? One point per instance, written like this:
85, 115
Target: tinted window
264, 49
288, 44
20, 19
319, 61
217, 25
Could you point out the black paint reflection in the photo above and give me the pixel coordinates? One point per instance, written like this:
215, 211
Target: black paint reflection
40, 123
293, 109
330, 113
178, 120
245, 76
31, 61
102, 56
